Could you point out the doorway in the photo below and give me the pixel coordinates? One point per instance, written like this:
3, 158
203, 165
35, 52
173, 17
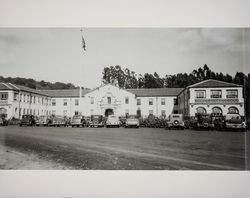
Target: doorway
109, 112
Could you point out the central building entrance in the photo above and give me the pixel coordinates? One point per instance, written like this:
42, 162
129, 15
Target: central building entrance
109, 112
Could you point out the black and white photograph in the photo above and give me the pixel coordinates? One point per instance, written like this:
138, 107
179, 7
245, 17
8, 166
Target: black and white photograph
117, 99
124, 98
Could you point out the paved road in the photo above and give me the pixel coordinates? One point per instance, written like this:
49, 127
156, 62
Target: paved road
138, 149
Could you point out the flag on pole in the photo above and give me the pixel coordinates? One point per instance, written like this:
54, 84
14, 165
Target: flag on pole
83, 42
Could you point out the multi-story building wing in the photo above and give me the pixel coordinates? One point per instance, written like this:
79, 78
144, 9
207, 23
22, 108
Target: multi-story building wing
110, 99
211, 96
67, 101
17, 100
156, 101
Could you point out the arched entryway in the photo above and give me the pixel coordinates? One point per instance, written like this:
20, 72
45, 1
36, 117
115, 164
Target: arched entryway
233, 110
3, 112
201, 110
217, 111
109, 112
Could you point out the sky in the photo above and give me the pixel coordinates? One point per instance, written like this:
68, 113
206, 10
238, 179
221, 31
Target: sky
56, 54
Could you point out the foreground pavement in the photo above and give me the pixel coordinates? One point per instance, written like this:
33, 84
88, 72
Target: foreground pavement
129, 149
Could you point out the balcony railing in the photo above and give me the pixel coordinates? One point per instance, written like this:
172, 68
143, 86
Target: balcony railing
216, 101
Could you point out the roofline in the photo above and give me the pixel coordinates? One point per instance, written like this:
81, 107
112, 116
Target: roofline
233, 84
16, 88
109, 84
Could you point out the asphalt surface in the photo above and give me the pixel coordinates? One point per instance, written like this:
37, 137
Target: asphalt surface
132, 149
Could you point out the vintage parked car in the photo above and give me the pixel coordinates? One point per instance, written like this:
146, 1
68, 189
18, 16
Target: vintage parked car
132, 121
122, 120
175, 121
113, 121
78, 121
201, 121
218, 121
59, 120
28, 120
43, 121
96, 121
234, 121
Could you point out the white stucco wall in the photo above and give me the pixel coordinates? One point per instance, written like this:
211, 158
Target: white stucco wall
15, 108
157, 107
224, 104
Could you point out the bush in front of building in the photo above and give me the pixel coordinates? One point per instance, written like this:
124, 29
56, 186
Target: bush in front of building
153, 122
14, 121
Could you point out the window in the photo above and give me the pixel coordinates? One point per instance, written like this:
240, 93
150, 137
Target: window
15, 96
175, 101
217, 111
163, 113
150, 101
64, 112
76, 102
92, 100
126, 100
109, 100
200, 94
53, 112
91, 111
232, 93
23, 111
65, 102
3, 96
34, 99
233, 110
138, 101
175, 111
53, 102
76, 112
201, 110
163, 101
151, 112
215, 94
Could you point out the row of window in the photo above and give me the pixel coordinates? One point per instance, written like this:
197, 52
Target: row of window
217, 93
217, 110
33, 112
65, 102
25, 98
151, 101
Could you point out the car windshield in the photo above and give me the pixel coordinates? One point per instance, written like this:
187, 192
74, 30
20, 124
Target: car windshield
59, 117
77, 117
26, 116
132, 117
42, 118
176, 116
113, 118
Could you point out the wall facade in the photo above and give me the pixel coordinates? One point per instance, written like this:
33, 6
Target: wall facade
222, 100
18, 103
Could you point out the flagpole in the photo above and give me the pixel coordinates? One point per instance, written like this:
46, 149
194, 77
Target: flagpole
82, 68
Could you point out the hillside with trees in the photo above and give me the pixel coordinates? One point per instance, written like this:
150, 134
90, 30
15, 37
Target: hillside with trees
29, 82
129, 79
